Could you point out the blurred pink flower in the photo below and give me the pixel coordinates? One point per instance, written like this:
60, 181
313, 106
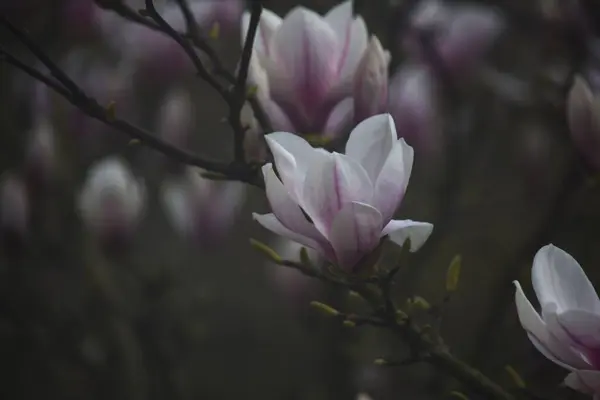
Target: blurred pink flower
112, 200
413, 103
175, 117
310, 62
200, 208
41, 158
461, 34
80, 18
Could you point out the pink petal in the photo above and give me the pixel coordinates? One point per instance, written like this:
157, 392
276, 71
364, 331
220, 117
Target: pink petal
355, 232
352, 35
340, 119
393, 178
270, 222
370, 143
285, 209
560, 283
307, 53
331, 184
269, 23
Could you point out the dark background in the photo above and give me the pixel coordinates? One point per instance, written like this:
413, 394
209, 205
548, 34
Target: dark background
174, 318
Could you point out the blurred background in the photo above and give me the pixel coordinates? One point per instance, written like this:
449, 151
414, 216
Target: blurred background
169, 300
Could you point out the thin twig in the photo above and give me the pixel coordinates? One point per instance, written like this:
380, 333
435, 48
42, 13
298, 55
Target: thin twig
187, 47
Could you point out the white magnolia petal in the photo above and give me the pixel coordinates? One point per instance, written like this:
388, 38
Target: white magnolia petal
355, 232
284, 207
370, 143
584, 381
269, 22
559, 279
330, 184
541, 336
340, 119
352, 36
400, 230
177, 207
393, 178
307, 51
582, 326
293, 156
270, 222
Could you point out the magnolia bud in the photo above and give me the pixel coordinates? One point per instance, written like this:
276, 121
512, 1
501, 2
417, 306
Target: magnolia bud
112, 201
41, 153
413, 105
200, 208
583, 115
469, 34
14, 212
371, 81
176, 117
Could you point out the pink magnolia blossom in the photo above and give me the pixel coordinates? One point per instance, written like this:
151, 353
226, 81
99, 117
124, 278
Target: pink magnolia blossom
413, 102
566, 331
201, 208
310, 62
112, 200
461, 34
371, 81
350, 198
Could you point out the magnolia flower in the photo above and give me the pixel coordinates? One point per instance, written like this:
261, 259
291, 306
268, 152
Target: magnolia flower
566, 332
311, 61
175, 117
413, 103
583, 115
41, 157
349, 198
201, 208
461, 34
112, 200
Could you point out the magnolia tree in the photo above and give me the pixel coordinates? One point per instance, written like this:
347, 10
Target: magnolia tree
328, 126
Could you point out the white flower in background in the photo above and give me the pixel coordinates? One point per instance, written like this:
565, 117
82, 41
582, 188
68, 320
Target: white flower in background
568, 330
41, 160
201, 208
175, 117
461, 34
112, 200
350, 198
310, 61
414, 104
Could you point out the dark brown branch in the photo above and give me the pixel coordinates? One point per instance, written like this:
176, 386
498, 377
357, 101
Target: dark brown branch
187, 47
239, 88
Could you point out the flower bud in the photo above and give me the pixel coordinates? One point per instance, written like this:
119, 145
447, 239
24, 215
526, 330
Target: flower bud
468, 36
14, 213
112, 201
200, 208
176, 117
413, 104
583, 115
41, 160
371, 81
